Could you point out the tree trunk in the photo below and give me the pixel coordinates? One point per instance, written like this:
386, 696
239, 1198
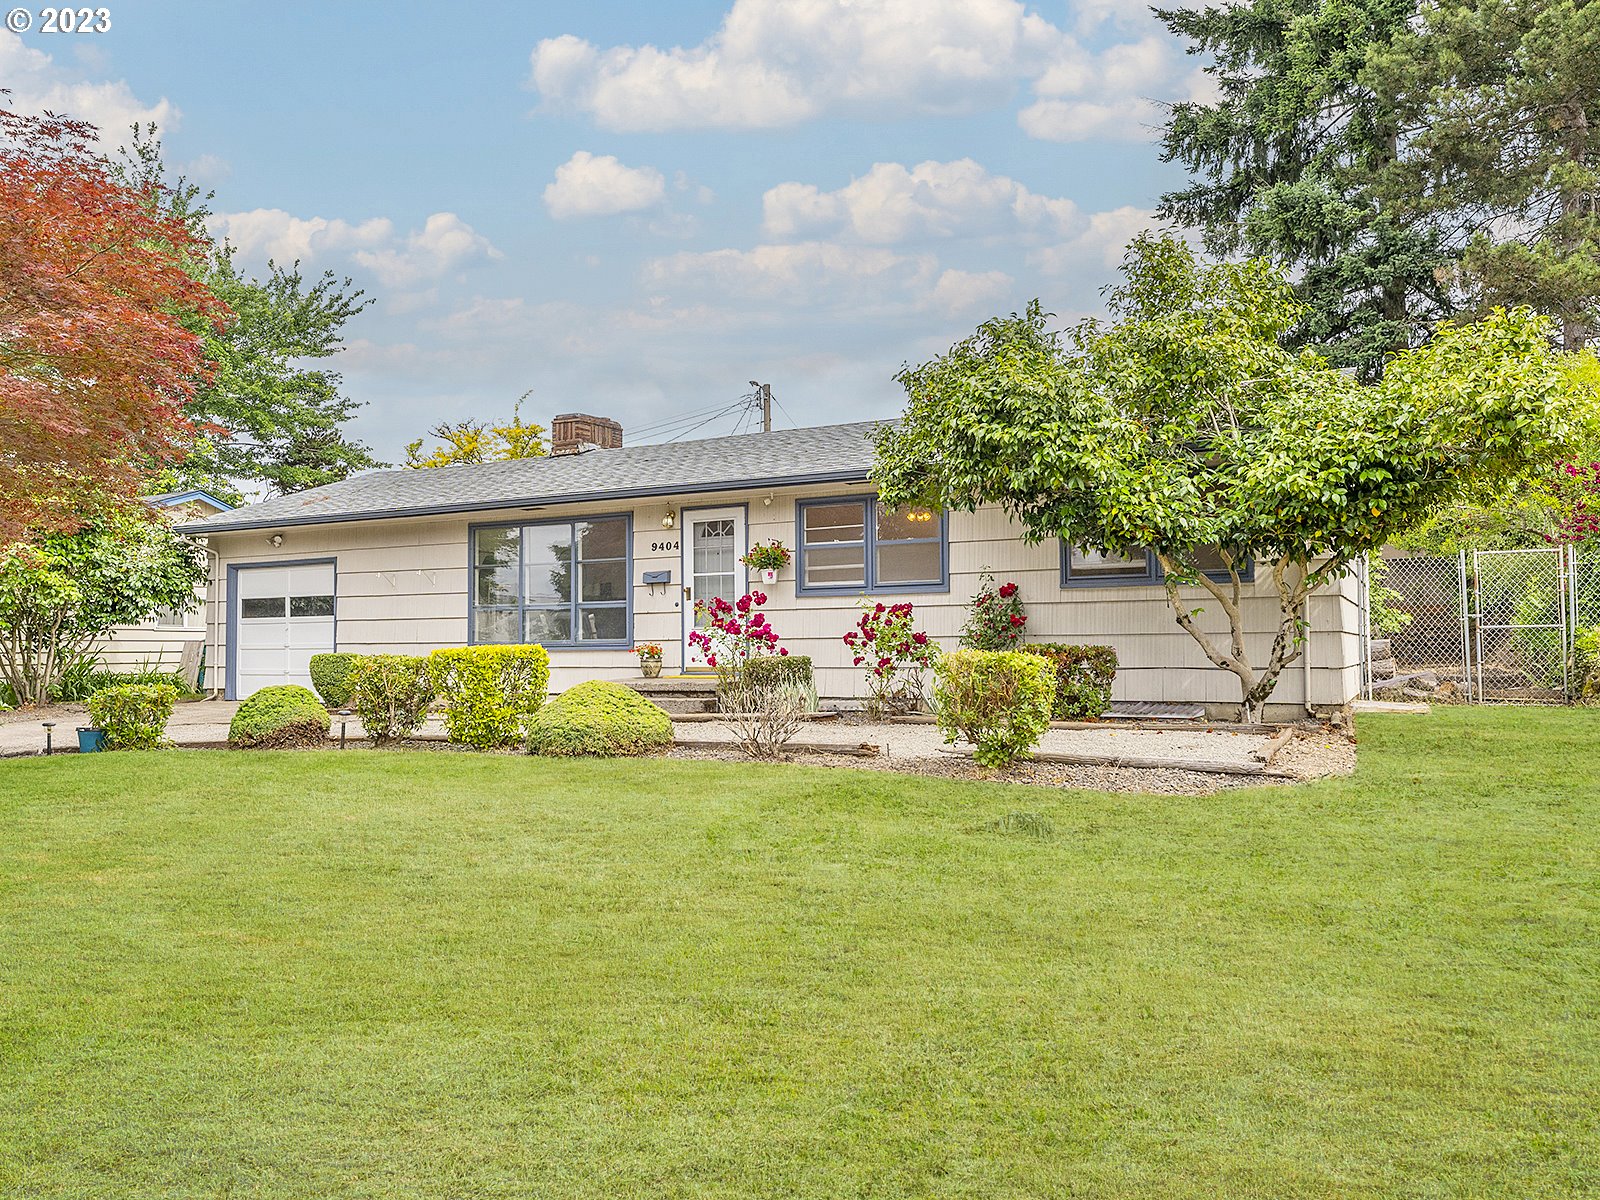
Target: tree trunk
1287, 644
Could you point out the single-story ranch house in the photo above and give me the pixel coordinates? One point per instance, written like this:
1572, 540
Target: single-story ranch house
599, 548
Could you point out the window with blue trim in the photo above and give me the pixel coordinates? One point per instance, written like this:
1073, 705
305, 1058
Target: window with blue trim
558, 583
854, 544
1083, 567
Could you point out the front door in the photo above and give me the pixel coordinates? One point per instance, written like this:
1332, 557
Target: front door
713, 544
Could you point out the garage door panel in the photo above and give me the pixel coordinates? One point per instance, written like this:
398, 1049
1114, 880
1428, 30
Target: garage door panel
263, 581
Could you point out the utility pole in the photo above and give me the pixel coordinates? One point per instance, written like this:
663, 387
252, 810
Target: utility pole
764, 394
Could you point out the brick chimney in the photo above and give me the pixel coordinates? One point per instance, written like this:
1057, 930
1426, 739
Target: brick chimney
573, 433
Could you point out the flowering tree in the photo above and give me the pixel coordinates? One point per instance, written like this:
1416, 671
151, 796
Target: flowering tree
995, 620
1576, 491
735, 632
894, 655
96, 364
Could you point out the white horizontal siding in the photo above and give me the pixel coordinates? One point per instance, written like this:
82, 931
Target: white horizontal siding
403, 583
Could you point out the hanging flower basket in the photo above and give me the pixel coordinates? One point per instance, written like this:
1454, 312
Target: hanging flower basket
768, 558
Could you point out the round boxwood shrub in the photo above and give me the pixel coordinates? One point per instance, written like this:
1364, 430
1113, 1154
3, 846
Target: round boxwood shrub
598, 719
279, 716
333, 675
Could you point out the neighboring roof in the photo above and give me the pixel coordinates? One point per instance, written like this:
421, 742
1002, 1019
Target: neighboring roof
828, 453
188, 496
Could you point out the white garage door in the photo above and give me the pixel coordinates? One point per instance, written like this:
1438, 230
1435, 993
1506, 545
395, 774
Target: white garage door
284, 615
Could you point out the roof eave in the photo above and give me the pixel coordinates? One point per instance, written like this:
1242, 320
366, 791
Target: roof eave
857, 475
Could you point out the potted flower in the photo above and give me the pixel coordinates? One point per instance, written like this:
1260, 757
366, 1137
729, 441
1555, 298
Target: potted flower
769, 559
649, 659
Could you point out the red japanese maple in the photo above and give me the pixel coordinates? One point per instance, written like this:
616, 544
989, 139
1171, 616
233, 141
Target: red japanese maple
95, 362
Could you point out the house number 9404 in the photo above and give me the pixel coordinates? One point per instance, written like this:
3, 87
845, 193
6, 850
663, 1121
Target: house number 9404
659, 546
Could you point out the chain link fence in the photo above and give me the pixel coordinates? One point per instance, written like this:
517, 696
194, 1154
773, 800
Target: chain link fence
1503, 626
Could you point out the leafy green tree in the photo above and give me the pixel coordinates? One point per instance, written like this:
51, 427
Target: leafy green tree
1291, 162
479, 441
1185, 426
60, 592
1502, 98
269, 418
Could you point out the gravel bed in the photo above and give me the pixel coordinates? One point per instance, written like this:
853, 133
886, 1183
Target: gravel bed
1312, 754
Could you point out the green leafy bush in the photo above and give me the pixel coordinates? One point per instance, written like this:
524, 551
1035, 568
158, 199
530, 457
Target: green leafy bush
767, 671
489, 691
133, 715
333, 675
598, 719
1083, 679
999, 700
288, 715
392, 694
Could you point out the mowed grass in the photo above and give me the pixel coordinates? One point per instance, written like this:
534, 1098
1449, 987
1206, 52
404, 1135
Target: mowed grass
439, 975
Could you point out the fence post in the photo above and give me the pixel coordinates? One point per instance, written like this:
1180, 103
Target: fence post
1466, 623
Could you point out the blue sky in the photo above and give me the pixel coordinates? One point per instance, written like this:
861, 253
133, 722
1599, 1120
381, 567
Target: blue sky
634, 209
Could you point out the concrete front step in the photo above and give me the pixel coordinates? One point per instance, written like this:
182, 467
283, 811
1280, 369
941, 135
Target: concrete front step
674, 685
680, 695
685, 706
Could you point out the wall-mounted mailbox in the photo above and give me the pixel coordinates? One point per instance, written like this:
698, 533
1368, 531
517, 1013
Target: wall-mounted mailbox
657, 579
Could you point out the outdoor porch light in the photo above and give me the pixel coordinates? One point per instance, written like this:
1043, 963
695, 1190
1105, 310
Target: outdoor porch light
671, 519
275, 540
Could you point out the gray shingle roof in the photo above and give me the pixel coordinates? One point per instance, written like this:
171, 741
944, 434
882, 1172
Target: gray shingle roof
827, 453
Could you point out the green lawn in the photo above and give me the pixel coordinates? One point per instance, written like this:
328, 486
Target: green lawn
440, 975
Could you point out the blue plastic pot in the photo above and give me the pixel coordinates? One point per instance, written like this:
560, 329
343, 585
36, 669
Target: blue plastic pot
90, 740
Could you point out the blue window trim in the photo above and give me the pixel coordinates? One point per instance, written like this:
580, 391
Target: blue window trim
870, 551
1153, 574
230, 680
627, 590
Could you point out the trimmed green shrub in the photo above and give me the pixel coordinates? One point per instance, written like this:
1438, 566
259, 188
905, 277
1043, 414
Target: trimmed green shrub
333, 675
276, 717
598, 719
1083, 679
392, 694
999, 700
489, 691
133, 715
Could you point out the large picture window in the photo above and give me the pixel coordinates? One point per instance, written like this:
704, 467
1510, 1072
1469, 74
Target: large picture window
854, 545
557, 583
1083, 567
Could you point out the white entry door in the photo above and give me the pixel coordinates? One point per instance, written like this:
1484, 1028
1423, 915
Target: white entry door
713, 544
282, 616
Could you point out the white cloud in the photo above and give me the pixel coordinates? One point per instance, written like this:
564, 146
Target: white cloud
893, 203
957, 292
589, 185
1115, 93
779, 62
284, 237
38, 83
809, 273
1095, 250
444, 242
